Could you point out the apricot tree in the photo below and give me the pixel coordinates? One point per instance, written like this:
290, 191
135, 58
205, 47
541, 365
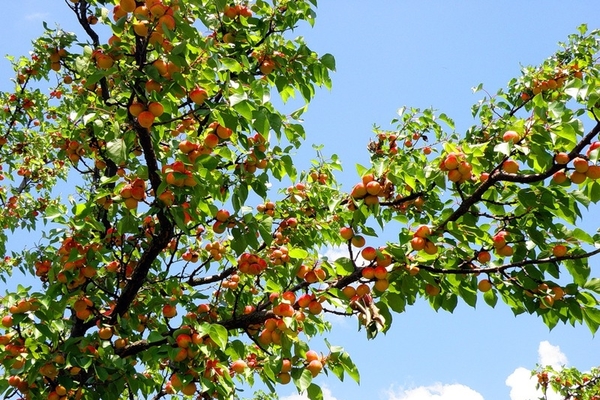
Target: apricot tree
173, 268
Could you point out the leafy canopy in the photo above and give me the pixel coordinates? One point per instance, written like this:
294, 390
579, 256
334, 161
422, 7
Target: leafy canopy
170, 266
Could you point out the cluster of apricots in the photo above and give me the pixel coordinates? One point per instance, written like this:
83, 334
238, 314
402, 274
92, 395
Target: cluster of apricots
377, 269
74, 272
582, 169
153, 16
279, 255
546, 294
223, 220
347, 233
235, 11
251, 264
500, 244
421, 241
370, 190
273, 330
55, 56
552, 83
267, 208
283, 305
319, 177
83, 307
177, 174
102, 60
74, 150
256, 159
311, 275
146, 114
134, 192
309, 302
232, 282
314, 362
216, 249
279, 236
212, 370
356, 293
459, 170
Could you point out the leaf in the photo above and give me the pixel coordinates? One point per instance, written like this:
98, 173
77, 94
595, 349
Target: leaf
491, 298
591, 316
468, 295
350, 367
396, 302
117, 151
298, 253
314, 392
593, 285
579, 270
329, 61
303, 381
503, 148
154, 337
237, 98
344, 266
218, 334
231, 64
594, 192
582, 235
245, 109
550, 318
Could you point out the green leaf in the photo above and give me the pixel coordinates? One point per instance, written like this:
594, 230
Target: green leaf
314, 392
154, 337
591, 316
303, 381
344, 266
350, 367
396, 302
218, 334
503, 148
237, 98
593, 285
594, 192
117, 151
550, 318
491, 298
582, 235
579, 270
468, 295
298, 253
329, 61
245, 109
231, 64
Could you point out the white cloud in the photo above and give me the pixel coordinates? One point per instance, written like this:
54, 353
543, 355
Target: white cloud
38, 16
522, 383
551, 355
437, 391
326, 396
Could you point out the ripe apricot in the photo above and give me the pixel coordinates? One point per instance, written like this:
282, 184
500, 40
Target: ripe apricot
580, 164
559, 177
484, 285
577, 177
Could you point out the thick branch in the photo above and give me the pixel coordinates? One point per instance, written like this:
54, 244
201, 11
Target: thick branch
159, 241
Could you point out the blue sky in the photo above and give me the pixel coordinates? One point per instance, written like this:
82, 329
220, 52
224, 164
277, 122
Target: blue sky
390, 54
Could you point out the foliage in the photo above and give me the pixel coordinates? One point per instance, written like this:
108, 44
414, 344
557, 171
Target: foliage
173, 268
